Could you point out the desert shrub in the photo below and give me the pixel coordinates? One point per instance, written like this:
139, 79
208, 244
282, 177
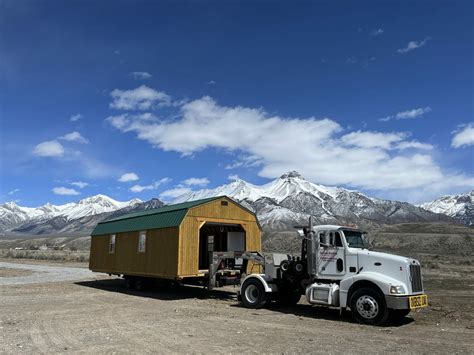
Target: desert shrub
53, 255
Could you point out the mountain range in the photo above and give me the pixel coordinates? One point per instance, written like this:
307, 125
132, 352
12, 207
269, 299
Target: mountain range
458, 206
280, 204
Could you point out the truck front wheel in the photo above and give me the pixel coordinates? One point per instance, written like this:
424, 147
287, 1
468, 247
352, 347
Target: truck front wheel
368, 306
253, 294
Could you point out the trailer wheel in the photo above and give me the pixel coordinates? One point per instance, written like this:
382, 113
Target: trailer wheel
253, 294
129, 282
141, 284
368, 306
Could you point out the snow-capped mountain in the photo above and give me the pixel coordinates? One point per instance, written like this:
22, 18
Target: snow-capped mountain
13, 216
457, 206
288, 184
292, 199
279, 205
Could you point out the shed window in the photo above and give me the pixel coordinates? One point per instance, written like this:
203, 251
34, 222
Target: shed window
142, 242
112, 244
224, 203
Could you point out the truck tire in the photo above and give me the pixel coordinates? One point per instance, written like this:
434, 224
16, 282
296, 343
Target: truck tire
368, 306
397, 315
253, 294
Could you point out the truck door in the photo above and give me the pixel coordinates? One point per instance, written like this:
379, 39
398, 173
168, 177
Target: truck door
332, 254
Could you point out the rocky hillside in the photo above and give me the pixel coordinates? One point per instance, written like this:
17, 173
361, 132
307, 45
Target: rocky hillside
69, 219
457, 206
291, 199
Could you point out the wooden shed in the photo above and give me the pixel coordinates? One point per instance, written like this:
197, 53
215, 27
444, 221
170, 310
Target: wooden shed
173, 242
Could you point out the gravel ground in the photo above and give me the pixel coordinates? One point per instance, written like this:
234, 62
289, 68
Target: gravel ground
97, 314
42, 274
9, 272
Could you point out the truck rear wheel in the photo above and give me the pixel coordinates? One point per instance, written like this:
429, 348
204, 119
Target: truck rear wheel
368, 306
253, 294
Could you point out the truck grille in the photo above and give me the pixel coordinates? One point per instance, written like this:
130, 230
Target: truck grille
415, 275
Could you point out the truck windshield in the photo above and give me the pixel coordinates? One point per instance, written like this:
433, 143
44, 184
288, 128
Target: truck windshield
355, 239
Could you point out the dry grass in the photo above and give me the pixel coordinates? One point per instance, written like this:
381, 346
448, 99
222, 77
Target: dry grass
53, 255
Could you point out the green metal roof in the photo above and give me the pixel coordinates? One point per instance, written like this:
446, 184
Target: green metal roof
163, 217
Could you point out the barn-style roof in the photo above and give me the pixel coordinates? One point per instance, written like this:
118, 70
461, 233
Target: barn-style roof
163, 217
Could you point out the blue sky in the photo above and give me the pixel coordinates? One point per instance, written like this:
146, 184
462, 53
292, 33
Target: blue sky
369, 95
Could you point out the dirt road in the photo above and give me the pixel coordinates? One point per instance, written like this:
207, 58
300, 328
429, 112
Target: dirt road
99, 315
39, 273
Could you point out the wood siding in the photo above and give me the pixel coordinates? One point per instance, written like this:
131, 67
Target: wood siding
172, 252
160, 258
214, 212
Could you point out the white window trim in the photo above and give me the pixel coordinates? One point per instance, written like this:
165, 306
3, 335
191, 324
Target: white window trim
140, 250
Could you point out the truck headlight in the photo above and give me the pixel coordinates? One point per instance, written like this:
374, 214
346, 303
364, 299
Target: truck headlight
397, 290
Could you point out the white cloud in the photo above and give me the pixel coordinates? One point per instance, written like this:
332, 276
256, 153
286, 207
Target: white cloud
175, 192
122, 121
351, 60
80, 184
412, 45
245, 161
49, 149
153, 186
128, 177
464, 136
377, 161
414, 145
141, 75
74, 137
211, 82
196, 181
409, 114
76, 117
376, 32
233, 177
372, 139
417, 112
140, 98
14, 191
65, 191
184, 187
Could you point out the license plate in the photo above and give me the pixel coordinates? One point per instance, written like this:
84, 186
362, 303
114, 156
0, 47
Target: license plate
418, 301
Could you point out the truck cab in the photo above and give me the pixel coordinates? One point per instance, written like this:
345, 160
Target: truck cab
336, 269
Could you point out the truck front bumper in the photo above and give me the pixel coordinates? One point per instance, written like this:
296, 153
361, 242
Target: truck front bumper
397, 302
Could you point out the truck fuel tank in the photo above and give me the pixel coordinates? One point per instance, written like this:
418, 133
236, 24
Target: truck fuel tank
324, 294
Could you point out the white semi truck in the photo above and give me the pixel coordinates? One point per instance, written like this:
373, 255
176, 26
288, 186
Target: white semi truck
336, 269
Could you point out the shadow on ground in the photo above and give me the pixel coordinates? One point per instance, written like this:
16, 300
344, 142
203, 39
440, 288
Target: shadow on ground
180, 292
164, 292
320, 312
